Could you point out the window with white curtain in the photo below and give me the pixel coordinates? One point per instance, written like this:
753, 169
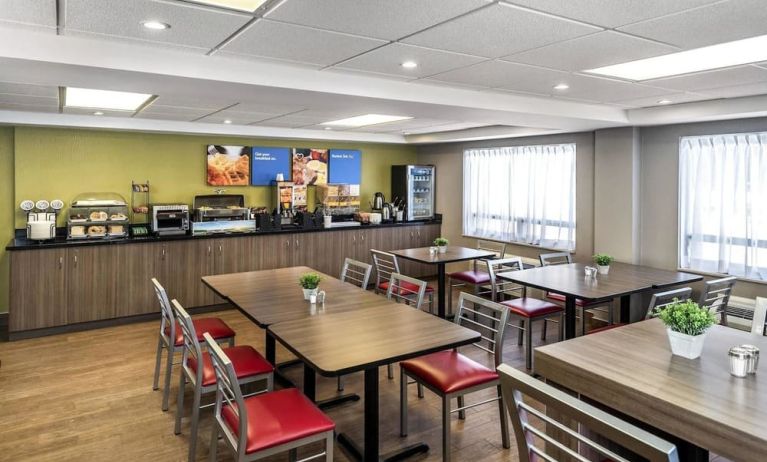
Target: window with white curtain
723, 204
522, 194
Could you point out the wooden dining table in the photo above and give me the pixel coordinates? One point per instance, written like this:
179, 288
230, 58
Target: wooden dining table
697, 403
453, 254
364, 340
622, 281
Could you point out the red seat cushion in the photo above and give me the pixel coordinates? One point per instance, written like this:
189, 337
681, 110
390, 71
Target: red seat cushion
608, 327
472, 277
448, 371
214, 326
531, 307
578, 301
278, 417
246, 361
406, 288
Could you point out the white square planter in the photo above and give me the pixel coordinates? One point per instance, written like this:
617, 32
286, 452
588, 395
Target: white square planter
309, 292
686, 346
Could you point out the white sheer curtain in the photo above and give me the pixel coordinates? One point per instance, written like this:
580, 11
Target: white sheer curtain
521, 194
723, 204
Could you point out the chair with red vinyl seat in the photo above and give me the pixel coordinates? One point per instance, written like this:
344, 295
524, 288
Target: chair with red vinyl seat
197, 369
385, 264
402, 288
356, 273
450, 374
265, 424
526, 309
169, 329
604, 306
474, 277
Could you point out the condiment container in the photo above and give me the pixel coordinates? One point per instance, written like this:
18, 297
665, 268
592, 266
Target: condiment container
739, 360
753, 362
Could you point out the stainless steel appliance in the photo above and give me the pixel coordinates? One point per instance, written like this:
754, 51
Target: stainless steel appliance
378, 201
414, 184
170, 219
220, 207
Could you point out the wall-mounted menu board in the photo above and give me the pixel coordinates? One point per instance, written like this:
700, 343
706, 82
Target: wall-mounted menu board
228, 165
310, 166
345, 166
268, 163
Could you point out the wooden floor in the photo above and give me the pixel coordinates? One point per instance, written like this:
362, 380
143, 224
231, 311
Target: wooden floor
87, 396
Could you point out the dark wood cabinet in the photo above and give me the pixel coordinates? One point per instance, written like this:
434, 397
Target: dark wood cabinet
38, 290
91, 282
138, 264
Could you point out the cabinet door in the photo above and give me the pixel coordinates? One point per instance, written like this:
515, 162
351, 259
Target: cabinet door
276, 251
183, 264
90, 280
137, 265
237, 254
38, 292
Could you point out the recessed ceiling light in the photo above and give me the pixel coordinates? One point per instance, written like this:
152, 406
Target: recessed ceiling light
410, 64
239, 5
98, 113
104, 99
561, 86
367, 119
665, 101
328, 128
155, 25
227, 121
735, 53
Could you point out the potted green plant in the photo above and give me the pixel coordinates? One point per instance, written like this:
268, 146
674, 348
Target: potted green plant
441, 243
309, 282
686, 324
603, 261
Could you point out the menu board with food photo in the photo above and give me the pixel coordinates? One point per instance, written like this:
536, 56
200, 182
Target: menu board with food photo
310, 166
228, 165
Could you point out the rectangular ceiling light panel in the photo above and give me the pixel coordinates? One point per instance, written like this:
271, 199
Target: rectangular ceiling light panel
365, 120
239, 5
104, 99
750, 50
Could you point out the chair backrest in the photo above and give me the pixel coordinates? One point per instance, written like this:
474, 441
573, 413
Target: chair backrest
228, 394
535, 440
502, 286
356, 272
498, 248
759, 326
488, 317
555, 258
385, 264
192, 350
407, 289
717, 293
663, 299
168, 320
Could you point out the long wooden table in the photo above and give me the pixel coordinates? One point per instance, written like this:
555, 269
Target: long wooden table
363, 340
631, 369
623, 280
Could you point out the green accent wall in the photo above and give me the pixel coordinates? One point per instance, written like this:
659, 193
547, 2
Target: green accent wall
53, 163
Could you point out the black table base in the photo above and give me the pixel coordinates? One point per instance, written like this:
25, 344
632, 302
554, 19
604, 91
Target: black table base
354, 452
441, 291
310, 390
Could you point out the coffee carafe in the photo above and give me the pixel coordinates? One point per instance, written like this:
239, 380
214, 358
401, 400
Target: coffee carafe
386, 212
378, 201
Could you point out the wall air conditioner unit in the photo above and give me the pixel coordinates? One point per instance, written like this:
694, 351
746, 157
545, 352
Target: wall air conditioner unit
740, 312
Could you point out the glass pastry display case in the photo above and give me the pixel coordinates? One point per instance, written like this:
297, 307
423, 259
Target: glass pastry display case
98, 216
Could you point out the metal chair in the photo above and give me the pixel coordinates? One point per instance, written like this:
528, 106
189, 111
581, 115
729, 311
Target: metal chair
357, 273
663, 299
562, 258
716, 296
196, 368
526, 309
409, 290
266, 424
475, 278
536, 441
385, 264
450, 374
759, 326
169, 329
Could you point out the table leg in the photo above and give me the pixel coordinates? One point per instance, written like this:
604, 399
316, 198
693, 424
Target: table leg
271, 356
441, 290
271, 348
310, 390
569, 317
626, 309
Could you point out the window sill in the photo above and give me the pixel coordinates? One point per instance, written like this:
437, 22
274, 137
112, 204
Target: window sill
721, 275
522, 244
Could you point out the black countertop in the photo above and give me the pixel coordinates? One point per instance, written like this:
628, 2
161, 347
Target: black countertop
20, 242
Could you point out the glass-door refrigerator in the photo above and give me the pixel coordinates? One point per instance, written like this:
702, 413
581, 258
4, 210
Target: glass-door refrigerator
414, 184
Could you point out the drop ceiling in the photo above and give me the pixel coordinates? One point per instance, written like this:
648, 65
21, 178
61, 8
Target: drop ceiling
294, 64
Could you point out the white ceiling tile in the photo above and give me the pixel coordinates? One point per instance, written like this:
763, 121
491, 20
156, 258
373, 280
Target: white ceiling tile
506, 75
298, 43
292, 121
29, 12
675, 98
28, 107
735, 91
191, 101
264, 107
347, 72
404, 125
237, 118
190, 25
90, 112
29, 90
447, 127
716, 23
499, 30
180, 113
592, 51
389, 20
162, 116
605, 90
740, 75
612, 13
29, 100
389, 59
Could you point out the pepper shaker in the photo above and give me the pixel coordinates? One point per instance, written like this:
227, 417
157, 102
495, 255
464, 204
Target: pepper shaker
739, 360
753, 362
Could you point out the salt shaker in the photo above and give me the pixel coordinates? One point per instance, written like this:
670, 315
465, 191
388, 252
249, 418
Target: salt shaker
433, 251
739, 360
313, 298
753, 362
321, 297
